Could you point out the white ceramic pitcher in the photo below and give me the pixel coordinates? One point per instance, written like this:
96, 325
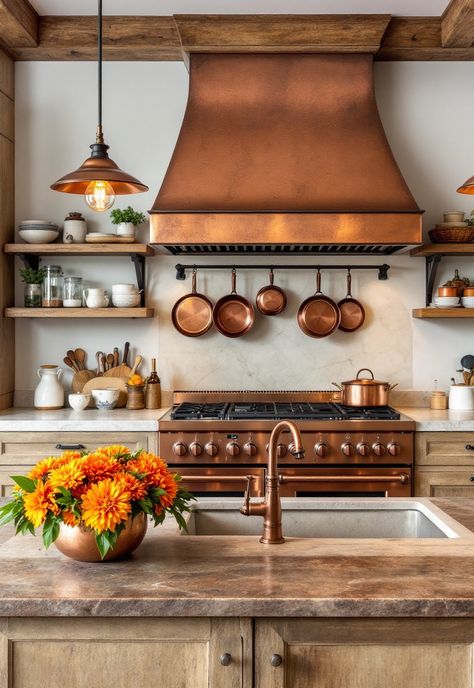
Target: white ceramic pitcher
49, 394
96, 298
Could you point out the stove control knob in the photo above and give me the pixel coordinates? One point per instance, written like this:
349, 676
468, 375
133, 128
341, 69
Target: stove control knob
195, 448
363, 449
250, 449
379, 449
233, 449
321, 449
348, 449
393, 448
281, 450
180, 449
211, 448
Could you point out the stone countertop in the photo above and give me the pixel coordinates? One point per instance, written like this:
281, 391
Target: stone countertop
67, 420
428, 420
171, 575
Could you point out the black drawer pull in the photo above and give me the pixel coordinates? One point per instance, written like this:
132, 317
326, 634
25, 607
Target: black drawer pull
472, 478
470, 447
71, 447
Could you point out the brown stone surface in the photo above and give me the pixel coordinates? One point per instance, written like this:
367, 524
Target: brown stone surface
217, 576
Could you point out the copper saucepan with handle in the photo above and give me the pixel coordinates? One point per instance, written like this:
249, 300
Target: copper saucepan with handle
318, 315
352, 311
192, 313
364, 391
233, 314
271, 300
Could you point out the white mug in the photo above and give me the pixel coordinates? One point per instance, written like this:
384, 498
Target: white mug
461, 397
96, 298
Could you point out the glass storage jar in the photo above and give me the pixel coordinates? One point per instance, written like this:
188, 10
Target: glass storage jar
72, 292
52, 287
32, 295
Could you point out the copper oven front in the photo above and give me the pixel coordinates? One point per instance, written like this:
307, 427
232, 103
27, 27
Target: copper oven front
222, 482
343, 482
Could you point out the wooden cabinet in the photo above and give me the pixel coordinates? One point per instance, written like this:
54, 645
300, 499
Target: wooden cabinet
120, 653
364, 653
444, 464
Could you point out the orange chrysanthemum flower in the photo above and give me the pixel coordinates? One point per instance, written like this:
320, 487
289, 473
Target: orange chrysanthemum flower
149, 465
43, 467
69, 518
114, 451
168, 483
136, 488
70, 476
69, 454
38, 503
99, 466
105, 505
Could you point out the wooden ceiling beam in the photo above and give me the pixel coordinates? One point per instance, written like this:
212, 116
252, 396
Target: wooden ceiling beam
457, 24
171, 38
18, 24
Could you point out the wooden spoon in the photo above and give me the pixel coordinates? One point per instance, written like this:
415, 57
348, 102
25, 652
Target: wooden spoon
80, 355
138, 360
110, 361
116, 357
70, 363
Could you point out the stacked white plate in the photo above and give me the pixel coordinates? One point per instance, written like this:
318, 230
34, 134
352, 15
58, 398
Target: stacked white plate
38, 231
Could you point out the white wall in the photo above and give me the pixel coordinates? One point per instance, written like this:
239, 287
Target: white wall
427, 112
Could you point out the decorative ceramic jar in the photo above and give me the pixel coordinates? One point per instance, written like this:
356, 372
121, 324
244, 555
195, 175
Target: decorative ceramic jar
49, 394
126, 229
75, 229
136, 397
96, 298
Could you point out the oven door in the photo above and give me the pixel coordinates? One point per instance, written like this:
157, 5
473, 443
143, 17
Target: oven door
222, 482
343, 482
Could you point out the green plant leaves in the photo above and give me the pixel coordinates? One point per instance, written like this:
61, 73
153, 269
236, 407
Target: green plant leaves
26, 484
50, 530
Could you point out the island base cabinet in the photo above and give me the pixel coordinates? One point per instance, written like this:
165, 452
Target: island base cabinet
123, 653
364, 653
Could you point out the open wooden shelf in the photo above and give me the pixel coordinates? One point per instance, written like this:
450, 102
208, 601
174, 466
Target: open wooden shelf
80, 249
443, 250
79, 312
443, 313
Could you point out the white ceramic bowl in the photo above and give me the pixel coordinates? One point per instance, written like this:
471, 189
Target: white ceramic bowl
105, 399
124, 289
467, 301
453, 216
79, 401
39, 236
446, 300
125, 300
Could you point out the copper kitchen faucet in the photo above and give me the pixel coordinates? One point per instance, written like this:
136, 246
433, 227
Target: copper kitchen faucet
270, 508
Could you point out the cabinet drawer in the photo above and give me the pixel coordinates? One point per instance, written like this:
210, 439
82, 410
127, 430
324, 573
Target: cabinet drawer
444, 483
444, 449
26, 448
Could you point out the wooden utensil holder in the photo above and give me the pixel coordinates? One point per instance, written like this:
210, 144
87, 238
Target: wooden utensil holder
136, 397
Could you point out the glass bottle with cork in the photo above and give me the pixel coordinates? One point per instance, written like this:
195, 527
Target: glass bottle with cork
153, 388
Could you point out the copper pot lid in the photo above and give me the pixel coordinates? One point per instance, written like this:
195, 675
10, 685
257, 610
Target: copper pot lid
365, 381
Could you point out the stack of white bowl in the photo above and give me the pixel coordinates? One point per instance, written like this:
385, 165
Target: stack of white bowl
446, 301
38, 231
125, 295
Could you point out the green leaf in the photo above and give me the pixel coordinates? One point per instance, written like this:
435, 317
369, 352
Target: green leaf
26, 484
146, 505
50, 530
7, 512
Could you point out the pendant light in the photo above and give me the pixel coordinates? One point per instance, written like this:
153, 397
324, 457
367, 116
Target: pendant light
467, 187
99, 178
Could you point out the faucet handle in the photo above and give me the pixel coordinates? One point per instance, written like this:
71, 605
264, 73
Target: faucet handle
245, 509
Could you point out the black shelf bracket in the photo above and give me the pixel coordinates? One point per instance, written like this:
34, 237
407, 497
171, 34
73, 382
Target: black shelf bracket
139, 263
432, 263
381, 269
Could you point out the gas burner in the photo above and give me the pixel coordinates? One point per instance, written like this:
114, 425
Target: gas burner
189, 411
368, 412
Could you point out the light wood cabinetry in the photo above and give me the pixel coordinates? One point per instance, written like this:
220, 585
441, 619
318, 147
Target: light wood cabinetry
444, 466
364, 653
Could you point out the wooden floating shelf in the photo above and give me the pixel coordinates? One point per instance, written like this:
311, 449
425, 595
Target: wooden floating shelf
80, 249
443, 250
443, 313
79, 312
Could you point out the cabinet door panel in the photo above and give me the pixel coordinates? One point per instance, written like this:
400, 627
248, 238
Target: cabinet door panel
444, 449
444, 483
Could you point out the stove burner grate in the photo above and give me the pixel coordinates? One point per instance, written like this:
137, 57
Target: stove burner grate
190, 411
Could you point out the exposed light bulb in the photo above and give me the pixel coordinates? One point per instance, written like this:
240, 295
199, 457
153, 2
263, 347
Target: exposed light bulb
99, 196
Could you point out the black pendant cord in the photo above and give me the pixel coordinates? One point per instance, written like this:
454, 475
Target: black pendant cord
99, 68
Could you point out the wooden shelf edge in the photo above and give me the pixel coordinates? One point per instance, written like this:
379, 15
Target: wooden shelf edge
79, 312
442, 250
81, 249
443, 313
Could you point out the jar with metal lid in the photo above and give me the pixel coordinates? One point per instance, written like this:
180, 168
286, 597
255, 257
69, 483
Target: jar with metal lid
72, 292
438, 401
52, 294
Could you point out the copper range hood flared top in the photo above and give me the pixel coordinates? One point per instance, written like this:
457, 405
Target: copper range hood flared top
283, 153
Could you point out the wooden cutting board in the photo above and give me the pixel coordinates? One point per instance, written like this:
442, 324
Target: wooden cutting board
119, 383
110, 240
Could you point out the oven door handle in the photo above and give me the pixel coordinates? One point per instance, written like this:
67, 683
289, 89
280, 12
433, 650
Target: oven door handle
402, 478
218, 478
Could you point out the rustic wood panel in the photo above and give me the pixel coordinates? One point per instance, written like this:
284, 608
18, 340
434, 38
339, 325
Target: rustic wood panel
457, 24
444, 483
7, 74
19, 23
418, 38
7, 329
81, 249
105, 313
7, 117
444, 449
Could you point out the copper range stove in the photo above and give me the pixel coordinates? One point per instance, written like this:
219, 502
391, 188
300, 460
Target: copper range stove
218, 441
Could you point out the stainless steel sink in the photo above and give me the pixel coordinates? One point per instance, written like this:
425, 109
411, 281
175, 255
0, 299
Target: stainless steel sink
331, 518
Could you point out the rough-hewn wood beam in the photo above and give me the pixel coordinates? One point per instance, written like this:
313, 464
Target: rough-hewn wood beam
418, 38
18, 24
457, 24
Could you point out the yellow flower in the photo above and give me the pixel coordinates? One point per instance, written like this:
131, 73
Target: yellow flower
136, 488
114, 451
98, 466
69, 476
38, 503
43, 467
105, 505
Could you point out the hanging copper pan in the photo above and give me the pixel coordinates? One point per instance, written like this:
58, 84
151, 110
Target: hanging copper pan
352, 311
318, 315
271, 300
233, 314
192, 314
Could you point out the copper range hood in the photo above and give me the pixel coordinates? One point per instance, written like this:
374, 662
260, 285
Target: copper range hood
283, 153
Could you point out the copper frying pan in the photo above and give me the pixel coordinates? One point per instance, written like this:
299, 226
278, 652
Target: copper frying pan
233, 314
318, 315
192, 313
352, 311
271, 300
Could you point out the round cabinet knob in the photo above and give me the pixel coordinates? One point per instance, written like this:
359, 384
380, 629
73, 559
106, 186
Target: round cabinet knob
276, 660
379, 449
393, 449
233, 449
321, 449
195, 448
179, 448
281, 450
211, 448
250, 449
225, 659
348, 449
363, 449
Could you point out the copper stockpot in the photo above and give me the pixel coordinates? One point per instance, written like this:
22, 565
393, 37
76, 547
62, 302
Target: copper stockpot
468, 291
364, 391
447, 291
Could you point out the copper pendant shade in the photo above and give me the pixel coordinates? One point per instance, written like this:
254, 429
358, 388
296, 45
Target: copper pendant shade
467, 187
99, 167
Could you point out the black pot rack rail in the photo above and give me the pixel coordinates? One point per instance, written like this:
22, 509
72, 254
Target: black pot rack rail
181, 268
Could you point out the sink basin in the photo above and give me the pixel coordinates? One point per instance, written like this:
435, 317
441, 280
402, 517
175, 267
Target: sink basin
331, 518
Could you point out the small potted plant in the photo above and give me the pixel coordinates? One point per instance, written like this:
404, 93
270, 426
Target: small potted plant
33, 280
126, 221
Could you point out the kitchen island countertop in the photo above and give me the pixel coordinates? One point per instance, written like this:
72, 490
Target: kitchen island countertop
428, 420
67, 420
